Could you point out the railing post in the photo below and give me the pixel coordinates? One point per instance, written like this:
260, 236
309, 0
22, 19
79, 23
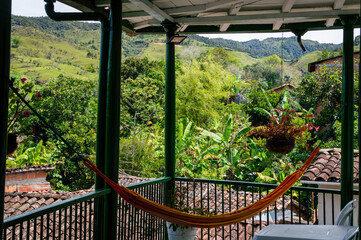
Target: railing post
347, 143
112, 118
5, 30
100, 151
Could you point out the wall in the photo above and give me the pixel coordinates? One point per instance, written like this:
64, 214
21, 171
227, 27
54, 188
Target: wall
26, 181
326, 206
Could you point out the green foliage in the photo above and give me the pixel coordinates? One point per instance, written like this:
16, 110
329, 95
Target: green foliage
31, 156
132, 67
325, 86
268, 73
201, 88
137, 156
15, 42
90, 68
328, 54
70, 106
142, 94
257, 99
229, 146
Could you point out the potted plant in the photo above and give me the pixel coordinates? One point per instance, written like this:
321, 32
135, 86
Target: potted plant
282, 131
179, 201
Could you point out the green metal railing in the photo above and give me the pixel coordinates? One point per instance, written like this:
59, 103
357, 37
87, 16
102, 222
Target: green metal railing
134, 224
69, 219
74, 218
299, 205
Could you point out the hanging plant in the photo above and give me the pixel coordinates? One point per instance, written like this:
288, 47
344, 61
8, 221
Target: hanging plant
281, 132
281, 145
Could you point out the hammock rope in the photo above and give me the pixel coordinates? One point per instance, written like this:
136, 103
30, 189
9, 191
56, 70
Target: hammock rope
183, 218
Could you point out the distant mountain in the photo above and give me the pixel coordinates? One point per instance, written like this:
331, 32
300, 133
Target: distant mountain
269, 46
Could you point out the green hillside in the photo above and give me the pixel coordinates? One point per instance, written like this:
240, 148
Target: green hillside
42, 56
303, 62
43, 49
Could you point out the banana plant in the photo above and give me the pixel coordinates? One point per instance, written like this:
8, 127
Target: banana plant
31, 156
185, 137
225, 143
285, 103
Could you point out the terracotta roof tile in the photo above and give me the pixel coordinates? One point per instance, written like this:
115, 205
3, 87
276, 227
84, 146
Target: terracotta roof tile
30, 168
327, 166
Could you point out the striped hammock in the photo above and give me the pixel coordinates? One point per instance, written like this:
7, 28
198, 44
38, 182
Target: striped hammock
202, 221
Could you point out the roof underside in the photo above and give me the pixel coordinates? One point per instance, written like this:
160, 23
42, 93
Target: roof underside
217, 16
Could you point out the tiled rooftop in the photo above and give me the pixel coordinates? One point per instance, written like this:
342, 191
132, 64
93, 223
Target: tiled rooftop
20, 202
327, 166
30, 168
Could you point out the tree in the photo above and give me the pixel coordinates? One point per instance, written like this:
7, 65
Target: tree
70, 106
202, 86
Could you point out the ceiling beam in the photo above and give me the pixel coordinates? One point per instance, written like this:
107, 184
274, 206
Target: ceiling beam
152, 10
287, 5
182, 28
134, 14
330, 22
338, 4
224, 27
199, 8
233, 11
277, 25
141, 25
271, 17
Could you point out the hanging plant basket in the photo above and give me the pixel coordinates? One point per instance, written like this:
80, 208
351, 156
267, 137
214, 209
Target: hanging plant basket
281, 145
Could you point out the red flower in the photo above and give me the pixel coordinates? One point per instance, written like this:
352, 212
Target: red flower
26, 113
38, 95
24, 79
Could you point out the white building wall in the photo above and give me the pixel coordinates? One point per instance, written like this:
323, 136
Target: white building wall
325, 206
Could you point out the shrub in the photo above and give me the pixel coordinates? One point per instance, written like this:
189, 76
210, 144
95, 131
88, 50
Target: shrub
137, 156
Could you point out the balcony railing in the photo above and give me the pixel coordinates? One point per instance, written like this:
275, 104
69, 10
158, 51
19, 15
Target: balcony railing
74, 218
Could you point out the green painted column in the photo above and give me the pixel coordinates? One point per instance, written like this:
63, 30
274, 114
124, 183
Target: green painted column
348, 114
112, 118
170, 114
100, 151
5, 30
170, 103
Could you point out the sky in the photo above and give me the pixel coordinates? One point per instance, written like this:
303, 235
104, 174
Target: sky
35, 8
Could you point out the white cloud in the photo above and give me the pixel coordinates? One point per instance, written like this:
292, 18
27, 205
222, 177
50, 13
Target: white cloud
35, 8
322, 36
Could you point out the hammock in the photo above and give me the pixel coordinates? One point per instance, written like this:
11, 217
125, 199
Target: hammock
203, 221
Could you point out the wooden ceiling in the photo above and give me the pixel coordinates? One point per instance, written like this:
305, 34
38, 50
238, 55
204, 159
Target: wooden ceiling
217, 16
